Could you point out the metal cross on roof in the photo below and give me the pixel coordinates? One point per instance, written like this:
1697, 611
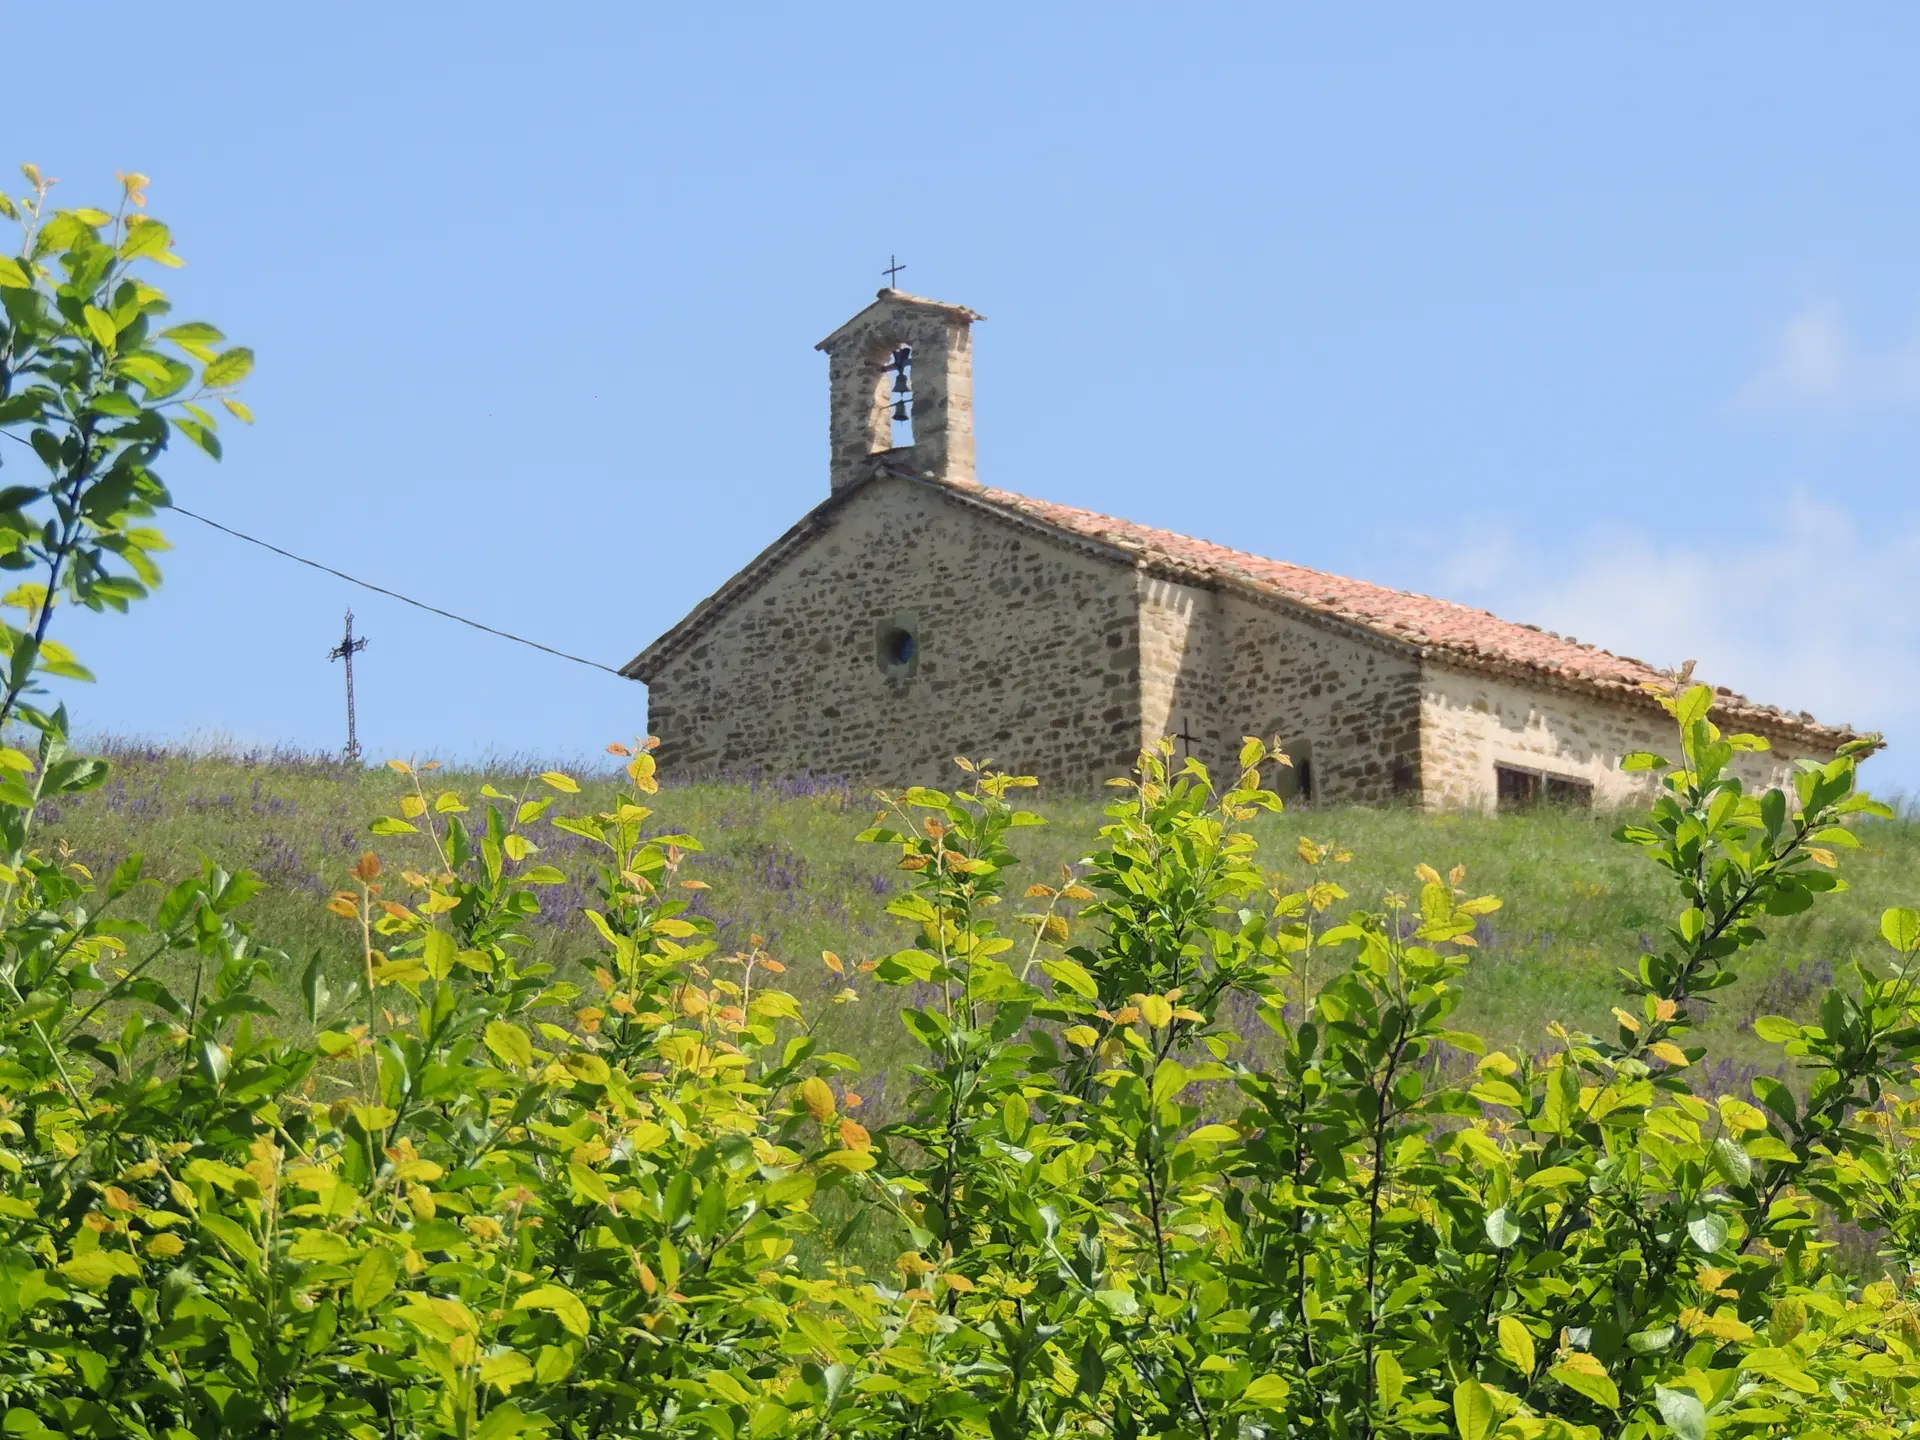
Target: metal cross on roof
892, 272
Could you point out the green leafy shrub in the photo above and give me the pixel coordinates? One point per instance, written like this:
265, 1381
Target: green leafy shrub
1188, 1153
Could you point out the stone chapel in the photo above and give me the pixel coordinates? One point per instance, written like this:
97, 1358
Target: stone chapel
915, 614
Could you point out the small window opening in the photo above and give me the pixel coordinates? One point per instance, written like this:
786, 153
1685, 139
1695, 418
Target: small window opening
897, 646
1295, 783
1516, 788
902, 367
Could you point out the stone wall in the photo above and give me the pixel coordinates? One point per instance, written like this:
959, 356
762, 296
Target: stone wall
1222, 665
1472, 722
1027, 651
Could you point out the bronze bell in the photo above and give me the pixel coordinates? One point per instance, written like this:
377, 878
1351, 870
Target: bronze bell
900, 410
900, 385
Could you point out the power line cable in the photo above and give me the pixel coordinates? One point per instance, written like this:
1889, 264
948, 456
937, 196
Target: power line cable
393, 594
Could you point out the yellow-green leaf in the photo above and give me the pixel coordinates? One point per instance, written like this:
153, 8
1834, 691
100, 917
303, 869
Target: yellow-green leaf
506, 1370
566, 784
1473, 1410
439, 954
97, 1269
588, 1068
1516, 1343
1071, 975
1582, 1372
1268, 1391
228, 368
510, 1043
588, 1183
373, 1278
817, 1096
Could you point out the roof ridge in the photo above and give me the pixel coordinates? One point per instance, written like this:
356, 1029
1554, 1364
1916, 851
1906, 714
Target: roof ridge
1448, 629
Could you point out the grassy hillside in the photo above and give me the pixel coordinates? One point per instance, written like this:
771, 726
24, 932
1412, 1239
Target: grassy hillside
782, 863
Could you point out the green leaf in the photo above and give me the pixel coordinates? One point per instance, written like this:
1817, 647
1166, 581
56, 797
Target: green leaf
196, 339
1269, 1391
228, 368
547, 875
563, 783
13, 275
373, 1278
1090, 1374
1169, 1079
1390, 1378
561, 1302
1901, 927
388, 825
1555, 1176
1073, 976
57, 659
1502, 1228
145, 238
199, 434
97, 1269
234, 1236
503, 1422
1709, 1232
1652, 1342
101, 325
1473, 1410
1695, 705
1731, 1162
1684, 1414
1776, 1029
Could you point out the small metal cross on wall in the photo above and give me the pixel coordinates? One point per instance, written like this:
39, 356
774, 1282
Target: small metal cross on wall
892, 272
1186, 740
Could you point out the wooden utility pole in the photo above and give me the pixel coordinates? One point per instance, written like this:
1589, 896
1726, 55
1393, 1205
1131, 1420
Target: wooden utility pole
346, 650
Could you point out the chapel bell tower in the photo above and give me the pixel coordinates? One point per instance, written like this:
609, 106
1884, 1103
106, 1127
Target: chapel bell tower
900, 390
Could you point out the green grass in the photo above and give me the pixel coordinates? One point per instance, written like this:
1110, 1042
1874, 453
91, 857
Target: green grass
782, 863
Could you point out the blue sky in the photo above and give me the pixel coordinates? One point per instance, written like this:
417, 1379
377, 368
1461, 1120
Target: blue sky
1610, 323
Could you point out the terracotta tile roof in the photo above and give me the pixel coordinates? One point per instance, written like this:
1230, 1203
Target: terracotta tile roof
1476, 639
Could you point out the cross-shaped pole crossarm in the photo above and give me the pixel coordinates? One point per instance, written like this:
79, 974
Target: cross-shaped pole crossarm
892, 272
346, 650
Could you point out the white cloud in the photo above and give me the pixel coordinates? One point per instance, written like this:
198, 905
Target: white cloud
1816, 362
1816, 615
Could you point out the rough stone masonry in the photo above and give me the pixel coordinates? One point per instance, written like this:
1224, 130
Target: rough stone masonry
915, 615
